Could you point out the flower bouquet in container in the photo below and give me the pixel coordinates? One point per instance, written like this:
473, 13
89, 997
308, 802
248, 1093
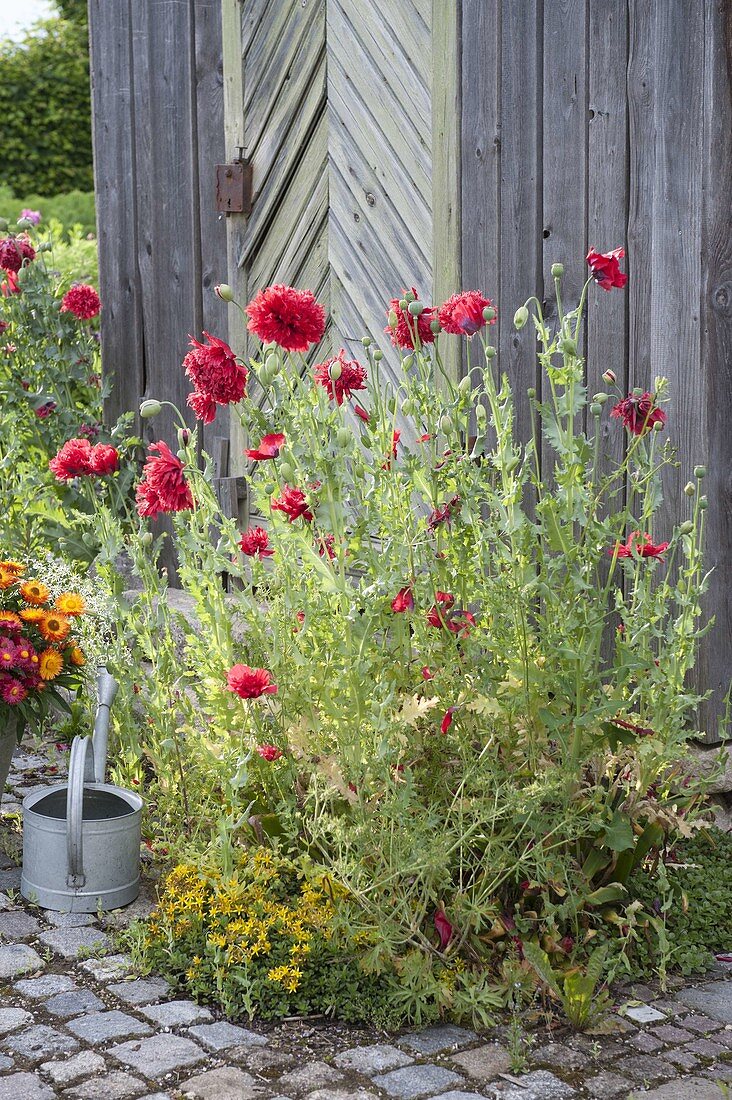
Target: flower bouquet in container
39, 654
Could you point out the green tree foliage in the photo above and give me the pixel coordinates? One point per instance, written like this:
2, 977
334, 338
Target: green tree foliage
45, 107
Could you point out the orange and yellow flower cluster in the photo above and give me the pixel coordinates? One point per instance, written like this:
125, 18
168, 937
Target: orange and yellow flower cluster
37, 643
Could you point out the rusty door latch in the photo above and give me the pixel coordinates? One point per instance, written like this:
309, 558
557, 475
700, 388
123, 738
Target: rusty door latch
234, 187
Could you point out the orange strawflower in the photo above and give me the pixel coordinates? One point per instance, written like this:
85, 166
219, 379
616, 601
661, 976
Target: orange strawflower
9, 620
76, 656
7, 577
54, 627
34, 592
14, 566
70, 603
50, 664
32, 614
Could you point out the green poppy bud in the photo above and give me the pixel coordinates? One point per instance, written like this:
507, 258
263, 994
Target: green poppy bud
335, 370
415, 308
520, 317
609, 377
378, 355
481, 415
44, 246
410, 296
568, 346
88, 539
446, 425
557, 271
270, 488
343, 436
146, 539
531, 393
287, 472
658, 426
149, 408
600, 398
407, 361
392, 319
690, 488
465, 385
224, 292
435, 328
596, 409
24, 223
703, 503
686, 527
184, 437
366, 341
700, 472
403, 303
489, 313
490, 352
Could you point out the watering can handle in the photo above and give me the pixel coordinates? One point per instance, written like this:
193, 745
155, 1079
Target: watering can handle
75, 812
106, 691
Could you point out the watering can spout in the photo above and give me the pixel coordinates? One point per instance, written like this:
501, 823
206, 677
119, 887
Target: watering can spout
106, 691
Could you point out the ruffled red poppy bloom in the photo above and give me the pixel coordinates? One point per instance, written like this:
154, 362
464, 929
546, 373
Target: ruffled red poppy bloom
403, 333
217, 376
291, 318
444, 929
255, 543
638, 413
250, 683
443, 514
361, 414
606, 269
103, 459
462, 314
404, 600
269, 447
14, 251
73, 460
643, 549
163, 487
82, 300
447, 719
294, 504
269, 752
340, 377
443, 615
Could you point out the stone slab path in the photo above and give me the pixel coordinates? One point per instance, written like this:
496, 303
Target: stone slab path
77, 1022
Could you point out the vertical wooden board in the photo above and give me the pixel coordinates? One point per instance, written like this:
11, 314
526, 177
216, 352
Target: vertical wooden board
641, 169
677, 186
480, 152
446, 187
715, 671
606, 317
520, 200
116, 202
209, 150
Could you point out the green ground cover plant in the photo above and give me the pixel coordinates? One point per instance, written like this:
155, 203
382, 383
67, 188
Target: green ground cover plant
451, 677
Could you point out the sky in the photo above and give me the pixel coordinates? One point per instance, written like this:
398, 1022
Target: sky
17, 15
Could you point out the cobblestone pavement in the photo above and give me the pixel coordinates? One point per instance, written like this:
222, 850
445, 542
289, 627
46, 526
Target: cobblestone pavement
76, 1022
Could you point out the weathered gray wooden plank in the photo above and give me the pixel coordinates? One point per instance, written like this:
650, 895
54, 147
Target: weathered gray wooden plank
111, 69
520, 232
715, 670
607, 198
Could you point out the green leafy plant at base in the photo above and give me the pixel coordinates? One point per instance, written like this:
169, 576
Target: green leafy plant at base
576, 990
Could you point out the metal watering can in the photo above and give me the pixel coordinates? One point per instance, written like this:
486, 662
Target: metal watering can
81, 839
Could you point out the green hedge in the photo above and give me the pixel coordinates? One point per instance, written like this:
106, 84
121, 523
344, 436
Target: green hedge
74, 208
45, 107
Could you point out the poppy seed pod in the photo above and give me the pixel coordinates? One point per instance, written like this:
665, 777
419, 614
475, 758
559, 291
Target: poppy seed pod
531, 393
416, 307
378, 355
490, 352
557, 270
403, 303
489, 313
686, 527
700, 472
703, 503
609, 377
435, 327
690, 488
366, 341
224, 292
520, 317
658, 425
596, 409
150, 408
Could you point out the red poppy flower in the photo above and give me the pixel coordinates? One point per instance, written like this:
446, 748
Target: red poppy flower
217, 376
163, 487
444, 929
447, 719
436, 616
82, 300
340, 377
103, 459
396, 436
404, 600
255, 543
326, 546
443, 514
426, 674
361, 414
644, 548
269, 752
10, 285
250, 683
462, 314
14, 251
73, 460
638, 413
288, 317
294, 504
402, 334
606, 269
444, 616
269, 447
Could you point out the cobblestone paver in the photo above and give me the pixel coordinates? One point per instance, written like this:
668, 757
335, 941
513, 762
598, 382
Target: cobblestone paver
77, 1023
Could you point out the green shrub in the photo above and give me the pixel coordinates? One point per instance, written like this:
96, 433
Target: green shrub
45, 107
75, 208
